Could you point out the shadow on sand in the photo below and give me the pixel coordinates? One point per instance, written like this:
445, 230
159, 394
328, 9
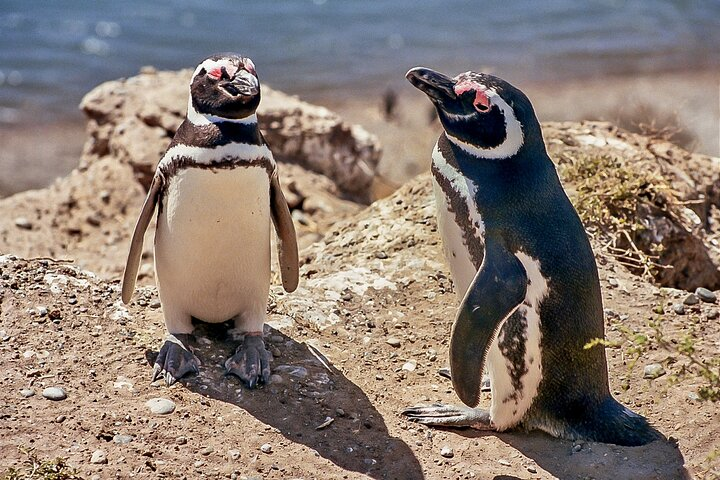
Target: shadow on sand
659, 460
357, 440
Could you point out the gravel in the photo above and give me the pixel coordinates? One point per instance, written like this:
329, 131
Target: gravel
27, 392
54, 393
98, 457
447, 452
160, 406
691, 299
653, 371
706, 295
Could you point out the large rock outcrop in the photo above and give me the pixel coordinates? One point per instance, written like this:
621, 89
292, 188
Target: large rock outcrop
133, 121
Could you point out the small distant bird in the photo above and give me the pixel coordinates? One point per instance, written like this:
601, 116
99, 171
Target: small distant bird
524, 269
216, 190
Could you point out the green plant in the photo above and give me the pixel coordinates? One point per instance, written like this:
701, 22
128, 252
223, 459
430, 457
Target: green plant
36, 469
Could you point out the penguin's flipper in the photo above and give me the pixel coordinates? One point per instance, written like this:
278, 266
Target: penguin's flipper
136, 244
496, 291
287, 241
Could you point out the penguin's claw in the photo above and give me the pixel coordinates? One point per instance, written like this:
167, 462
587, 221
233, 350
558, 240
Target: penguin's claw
175, 360
251, 362
439, 415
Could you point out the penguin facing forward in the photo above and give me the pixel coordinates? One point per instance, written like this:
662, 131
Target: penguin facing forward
525, 271
216, 190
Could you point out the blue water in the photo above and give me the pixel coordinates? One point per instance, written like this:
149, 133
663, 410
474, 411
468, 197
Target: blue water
52, 52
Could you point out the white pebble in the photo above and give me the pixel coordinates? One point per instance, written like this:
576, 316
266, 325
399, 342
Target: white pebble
160, 406
266, 448
447, 452
98, 456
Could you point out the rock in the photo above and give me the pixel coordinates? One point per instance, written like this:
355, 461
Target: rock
706, 295
54, 393
653, 371
531, 469
207, 450
181, 440
292, 370
410, 366
393, 342
160, 406
24, 223
447, 452
691, 299
266, 448
713, 314
123, 439
679, 308
234, 454
98, 457
27, 392
576, 448
504, 462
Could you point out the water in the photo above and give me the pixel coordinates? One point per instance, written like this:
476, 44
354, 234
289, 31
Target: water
52, 52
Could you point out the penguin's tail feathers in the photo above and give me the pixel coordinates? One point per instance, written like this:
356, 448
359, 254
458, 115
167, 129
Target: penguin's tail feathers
614, 423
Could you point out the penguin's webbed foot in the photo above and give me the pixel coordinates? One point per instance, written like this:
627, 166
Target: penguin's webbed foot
251, 361
439, 415
175, 359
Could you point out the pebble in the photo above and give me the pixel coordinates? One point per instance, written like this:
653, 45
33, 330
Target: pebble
155, 304
410, 366
275, 378
207, 450
160, 406
447, 452
24, 223
653, 371
393, 341
679, 308
693, 397
691, 299
266, 448
27, 392
123, 439
706, 295
531, 469
577, 448
504, 462
42, 311
198, 464
713, 314
181, 440
98, 456
234, 454
613, 282
54, 393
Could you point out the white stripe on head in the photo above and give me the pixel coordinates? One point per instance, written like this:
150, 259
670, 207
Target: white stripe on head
513, 132
197, 118
206, 156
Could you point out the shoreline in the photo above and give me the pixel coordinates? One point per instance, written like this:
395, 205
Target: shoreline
38, 152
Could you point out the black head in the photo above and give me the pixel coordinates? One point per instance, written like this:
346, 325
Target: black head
225, 86
481, 113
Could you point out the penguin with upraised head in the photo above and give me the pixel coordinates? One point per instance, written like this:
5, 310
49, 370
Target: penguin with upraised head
216, 191
524, 269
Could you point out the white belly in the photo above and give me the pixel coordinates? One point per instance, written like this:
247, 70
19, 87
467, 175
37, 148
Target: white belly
212, 246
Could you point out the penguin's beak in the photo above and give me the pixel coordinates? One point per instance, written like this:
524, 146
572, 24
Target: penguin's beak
434, 84
243, 83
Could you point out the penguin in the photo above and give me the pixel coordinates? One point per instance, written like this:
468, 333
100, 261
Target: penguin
216, 191
524, 270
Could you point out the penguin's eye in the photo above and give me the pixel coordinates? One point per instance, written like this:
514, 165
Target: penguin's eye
481, 107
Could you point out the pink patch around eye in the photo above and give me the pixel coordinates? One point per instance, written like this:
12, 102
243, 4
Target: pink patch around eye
215, 72
481, 98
